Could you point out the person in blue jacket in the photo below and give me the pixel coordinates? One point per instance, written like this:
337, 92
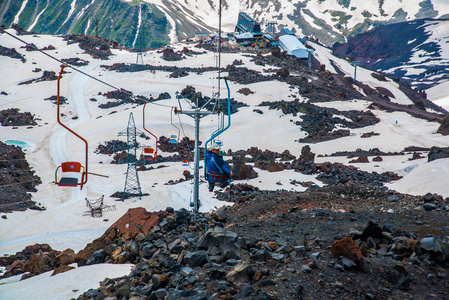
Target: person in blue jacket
217, 169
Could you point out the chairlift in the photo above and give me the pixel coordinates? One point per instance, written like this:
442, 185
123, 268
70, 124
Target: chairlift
71, 167
173, 139
148, 153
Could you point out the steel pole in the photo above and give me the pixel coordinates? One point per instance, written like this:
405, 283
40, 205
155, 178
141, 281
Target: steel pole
197, 164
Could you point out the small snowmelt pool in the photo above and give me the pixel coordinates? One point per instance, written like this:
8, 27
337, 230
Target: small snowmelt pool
21, 144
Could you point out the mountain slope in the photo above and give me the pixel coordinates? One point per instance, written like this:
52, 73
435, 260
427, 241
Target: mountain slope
417, 51
112, 19
329, 21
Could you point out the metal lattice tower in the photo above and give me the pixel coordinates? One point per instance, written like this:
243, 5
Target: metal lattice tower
132, 183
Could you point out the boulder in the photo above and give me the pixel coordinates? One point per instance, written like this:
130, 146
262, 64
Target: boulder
241, 171
240, 274
97, 258
437, 153
444, 127
66, 257
346, 247
307, 156
219, 215
196, 259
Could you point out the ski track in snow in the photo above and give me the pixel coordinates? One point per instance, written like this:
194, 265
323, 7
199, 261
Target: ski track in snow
38, 16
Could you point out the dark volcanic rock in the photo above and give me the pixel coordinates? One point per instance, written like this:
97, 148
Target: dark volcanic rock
17, 180
46, 76
444, 127
11, 52
320, 123
437, 153
75, 61
97, 47
12, 117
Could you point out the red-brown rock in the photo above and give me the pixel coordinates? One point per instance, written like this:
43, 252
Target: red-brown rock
62, 269
66, 257
134, 221
348, 248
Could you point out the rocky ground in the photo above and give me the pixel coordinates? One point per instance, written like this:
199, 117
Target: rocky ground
17, 180
339, 242
351, 239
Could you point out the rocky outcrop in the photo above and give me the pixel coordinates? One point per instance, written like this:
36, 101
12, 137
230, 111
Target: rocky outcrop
444, 127
17, 180
35, 260
13, 117
136, 221
11, 52
241, 170
437, 153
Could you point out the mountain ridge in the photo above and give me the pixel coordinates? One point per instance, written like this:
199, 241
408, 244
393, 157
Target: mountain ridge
158, 22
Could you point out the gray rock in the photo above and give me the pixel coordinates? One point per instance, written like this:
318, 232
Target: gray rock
134, 249
429, 206
393, 198
315, 255
185, 271
306, 269
147, 251
348, 263
216, 273
245, 290
97, 258
240, 274
430, 244
177, 246
219, 215
233, 262
196, 259
159, 294
261, 255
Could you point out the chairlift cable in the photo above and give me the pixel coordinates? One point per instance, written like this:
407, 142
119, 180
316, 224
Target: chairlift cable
58, 60
72, 67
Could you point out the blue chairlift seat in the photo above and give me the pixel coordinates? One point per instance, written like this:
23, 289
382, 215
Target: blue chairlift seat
173, 139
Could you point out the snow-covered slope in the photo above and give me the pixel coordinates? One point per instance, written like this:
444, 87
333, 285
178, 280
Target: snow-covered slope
64, 223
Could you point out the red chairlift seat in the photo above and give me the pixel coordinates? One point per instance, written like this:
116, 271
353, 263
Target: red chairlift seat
147, 154
70, 167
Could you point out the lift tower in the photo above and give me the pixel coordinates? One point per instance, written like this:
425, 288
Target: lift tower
132, 183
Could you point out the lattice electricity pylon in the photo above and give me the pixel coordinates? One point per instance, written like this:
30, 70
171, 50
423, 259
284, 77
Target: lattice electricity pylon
132, 183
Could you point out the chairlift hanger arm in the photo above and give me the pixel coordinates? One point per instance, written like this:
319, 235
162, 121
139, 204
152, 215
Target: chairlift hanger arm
221, 131
85, 172
155, 153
